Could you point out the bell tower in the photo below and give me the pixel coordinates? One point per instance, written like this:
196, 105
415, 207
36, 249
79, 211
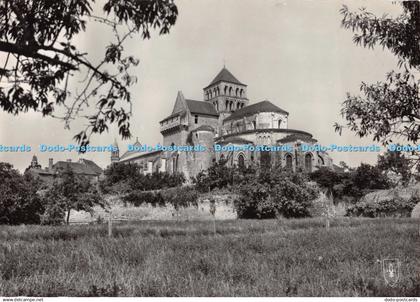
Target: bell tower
115, 153
226, 93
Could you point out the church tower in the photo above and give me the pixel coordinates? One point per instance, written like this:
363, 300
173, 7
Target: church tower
115, 153
226, 93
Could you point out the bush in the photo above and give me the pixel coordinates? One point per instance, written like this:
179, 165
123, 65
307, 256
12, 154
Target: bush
397, 207
274, 194
179, 197
353, 184
123, 178
220, 176
137, 198
19, 201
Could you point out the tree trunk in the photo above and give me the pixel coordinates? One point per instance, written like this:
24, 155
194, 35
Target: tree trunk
68, 217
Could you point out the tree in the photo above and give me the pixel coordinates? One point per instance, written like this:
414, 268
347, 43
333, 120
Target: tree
19, 201
389, 109
43, 62
123, 178
397, 163
71, 192
277, 193
218, 175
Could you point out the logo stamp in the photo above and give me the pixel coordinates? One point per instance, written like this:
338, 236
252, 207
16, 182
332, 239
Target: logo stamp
391, 271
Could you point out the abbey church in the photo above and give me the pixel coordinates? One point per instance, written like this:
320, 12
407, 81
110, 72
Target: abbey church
226, 118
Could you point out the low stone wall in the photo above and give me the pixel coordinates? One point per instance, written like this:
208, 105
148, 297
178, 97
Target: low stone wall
224, 211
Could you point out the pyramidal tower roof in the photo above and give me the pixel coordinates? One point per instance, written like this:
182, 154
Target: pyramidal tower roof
225, 76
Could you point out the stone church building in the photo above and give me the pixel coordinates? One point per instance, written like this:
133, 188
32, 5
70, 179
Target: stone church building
226, 118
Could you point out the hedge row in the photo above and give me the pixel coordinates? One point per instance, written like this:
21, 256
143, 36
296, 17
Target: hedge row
178, 197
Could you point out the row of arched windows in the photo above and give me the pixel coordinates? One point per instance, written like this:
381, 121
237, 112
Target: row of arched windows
230, 105
308, 162
227, 90
266, 159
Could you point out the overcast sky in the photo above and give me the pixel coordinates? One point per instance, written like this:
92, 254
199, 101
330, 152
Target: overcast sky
292, 53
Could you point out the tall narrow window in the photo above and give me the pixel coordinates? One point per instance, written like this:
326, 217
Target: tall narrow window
196, 119
308, 162
241, 161
289, 162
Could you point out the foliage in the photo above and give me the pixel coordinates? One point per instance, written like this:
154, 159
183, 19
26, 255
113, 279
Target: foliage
367, 177
276, 193
138, 198
123, 178
397, 207
179, 197
70, 192
220, 176
352, 184
397, 163
387, 109
19, 201
44, 62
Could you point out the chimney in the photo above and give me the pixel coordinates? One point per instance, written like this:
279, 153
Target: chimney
50, 164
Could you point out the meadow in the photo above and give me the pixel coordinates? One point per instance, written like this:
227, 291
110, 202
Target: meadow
185, 258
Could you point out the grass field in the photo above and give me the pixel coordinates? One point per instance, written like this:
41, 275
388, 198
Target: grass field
245, 258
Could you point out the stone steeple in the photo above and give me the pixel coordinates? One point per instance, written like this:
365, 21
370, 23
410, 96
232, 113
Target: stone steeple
226, 93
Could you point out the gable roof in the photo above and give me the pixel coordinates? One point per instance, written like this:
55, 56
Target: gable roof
77, 168
92, 165
201, 107
128, 153
225, 76
264, 106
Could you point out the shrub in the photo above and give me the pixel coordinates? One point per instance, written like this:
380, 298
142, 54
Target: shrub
178, 197
397, 207
220, 176
137, 198
123, 178
19, 201
353, 184
274, 194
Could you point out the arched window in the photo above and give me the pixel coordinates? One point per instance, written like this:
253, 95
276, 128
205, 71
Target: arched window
289, 162
241, 161
236, 91
230, 90
308, 162
238, 105
241, 92
227, 104
279, 124
265, 159
321, 160
226, 90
